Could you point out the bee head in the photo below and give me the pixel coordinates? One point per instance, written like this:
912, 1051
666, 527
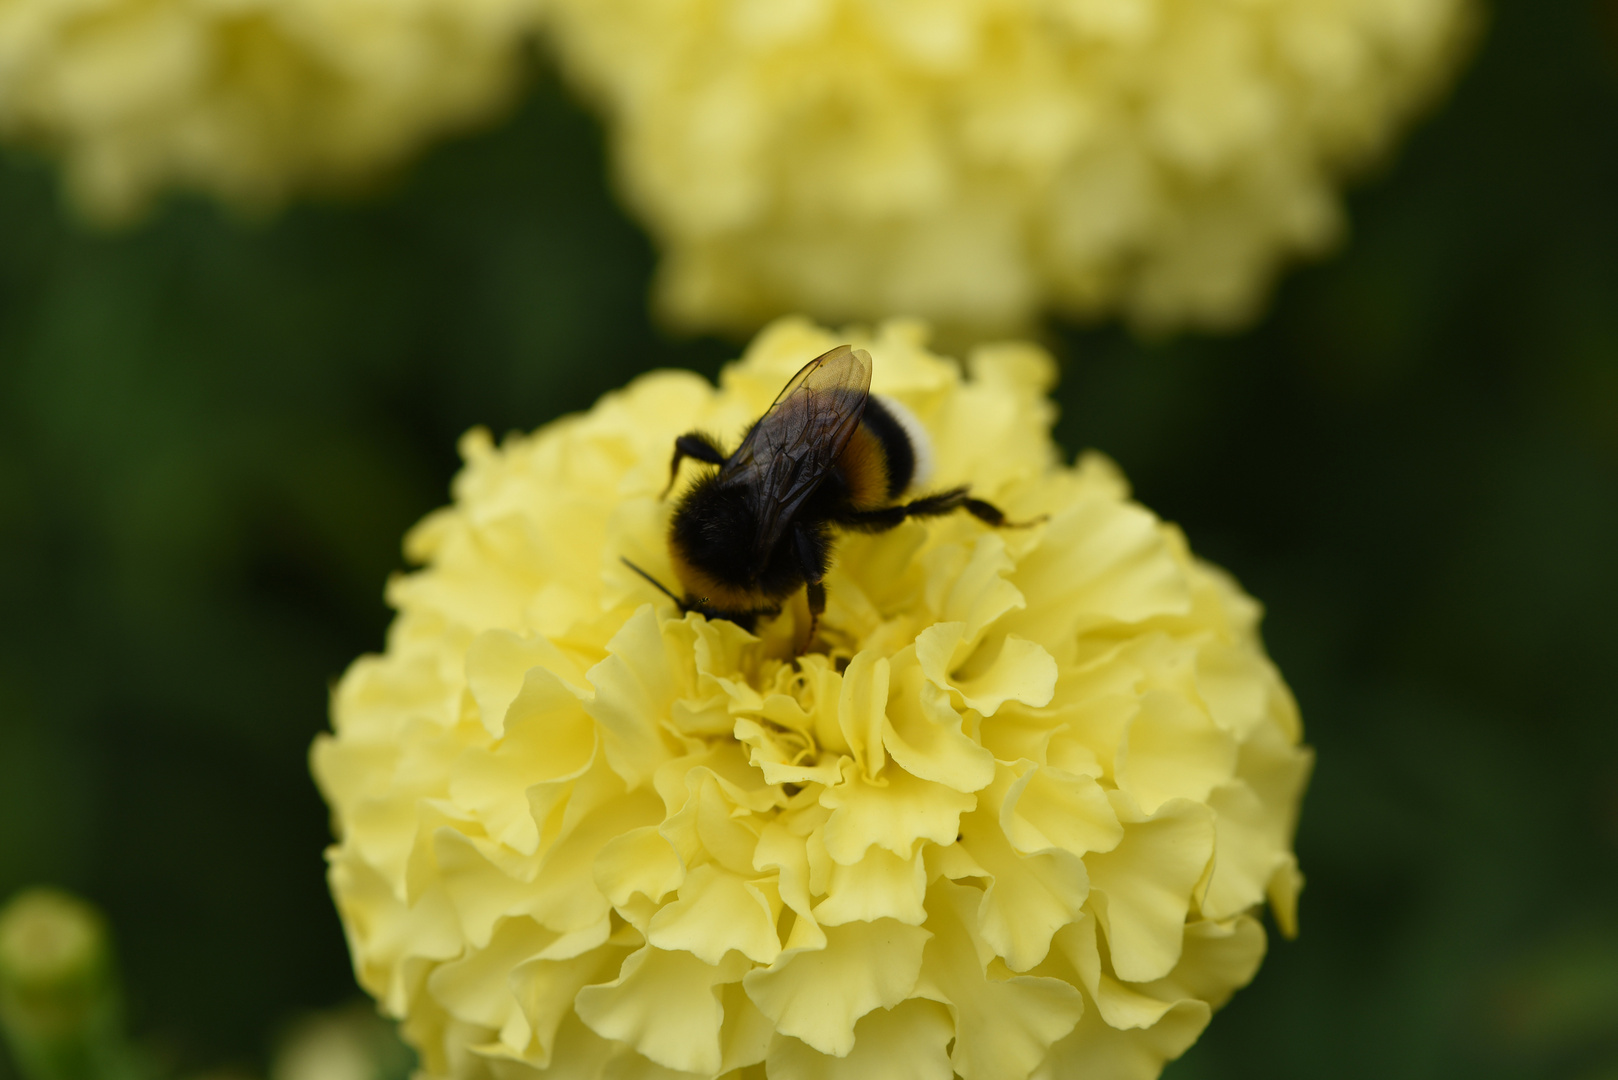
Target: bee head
712, 539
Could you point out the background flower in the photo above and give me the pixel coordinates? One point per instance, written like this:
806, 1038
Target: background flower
245, 99
1015, 817
977, 161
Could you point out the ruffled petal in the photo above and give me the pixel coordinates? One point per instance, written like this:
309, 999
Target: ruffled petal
1096, 1049
633, 689
712, 824
1172, 749
924, 734
544, 990
1254, 821
1003, 1026
666, 1005
497, 666
881, 885
1005, 668
635, 871
545, 738
716, 912
1050, 808
475, 989
971, 587
784, 757
386, 935
907, 1042
1141, 890
1219, 958
894, 812
1029, 897
816, 995
862, 709
747, 1035
1099, 561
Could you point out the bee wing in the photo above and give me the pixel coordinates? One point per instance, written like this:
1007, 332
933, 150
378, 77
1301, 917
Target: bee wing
788, 452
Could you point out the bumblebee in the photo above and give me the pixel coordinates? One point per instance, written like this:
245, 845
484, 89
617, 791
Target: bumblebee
828, 455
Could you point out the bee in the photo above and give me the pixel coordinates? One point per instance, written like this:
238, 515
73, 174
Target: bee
826, 456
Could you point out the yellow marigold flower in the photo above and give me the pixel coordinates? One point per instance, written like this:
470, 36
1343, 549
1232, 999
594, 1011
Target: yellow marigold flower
247, 99
976, 161
1014, 816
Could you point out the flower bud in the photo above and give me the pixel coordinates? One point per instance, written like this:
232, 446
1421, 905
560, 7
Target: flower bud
59, 1005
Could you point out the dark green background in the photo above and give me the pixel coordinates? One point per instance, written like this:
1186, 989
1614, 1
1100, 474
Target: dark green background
214, 433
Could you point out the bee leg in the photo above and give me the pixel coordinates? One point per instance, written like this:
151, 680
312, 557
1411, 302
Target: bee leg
991, 514
945, 502
811, 551
817, 608
887, 517
692, 444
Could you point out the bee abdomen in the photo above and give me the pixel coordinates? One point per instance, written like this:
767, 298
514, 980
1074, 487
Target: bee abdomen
881, 459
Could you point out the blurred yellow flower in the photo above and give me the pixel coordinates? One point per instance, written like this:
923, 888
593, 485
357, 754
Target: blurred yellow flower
1014, 816
246, 99
977, 161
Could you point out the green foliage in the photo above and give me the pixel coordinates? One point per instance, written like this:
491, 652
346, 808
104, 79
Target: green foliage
213, 434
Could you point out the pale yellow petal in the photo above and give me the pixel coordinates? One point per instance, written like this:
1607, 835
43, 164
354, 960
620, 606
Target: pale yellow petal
1172, 749
862, 709
1141, 890
1028, 897
894, 812
577, 1052
482, 892
745, 1038
1052, 808
1001, 668
783, 758
497, 665
974, 591
1253, 823
817, 995
626, 1064
633, 688
563, 894
924, 735
347, 771
544, 990
666, 1005
545, 737
1121, 1005
475, 987
1095, 1049
1003, 1027
637, 861
717, 911
1283, 892
907, 1042
881, 885
711, 825
1234, 682
780, 850
385, 935
1218, 959
1098, 561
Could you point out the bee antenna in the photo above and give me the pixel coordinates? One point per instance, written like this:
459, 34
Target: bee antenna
662, 588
